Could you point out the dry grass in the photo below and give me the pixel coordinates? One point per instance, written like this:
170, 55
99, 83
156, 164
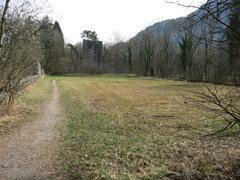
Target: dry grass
131, 128
27, 105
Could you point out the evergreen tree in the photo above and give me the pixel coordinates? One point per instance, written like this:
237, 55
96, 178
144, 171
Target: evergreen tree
186, 54
45, 41
130, 59
90, 35
53, 44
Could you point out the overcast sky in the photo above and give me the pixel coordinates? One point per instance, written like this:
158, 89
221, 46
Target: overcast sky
127, 17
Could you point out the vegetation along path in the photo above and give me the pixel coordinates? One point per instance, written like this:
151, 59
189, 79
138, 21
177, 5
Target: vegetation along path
28, 152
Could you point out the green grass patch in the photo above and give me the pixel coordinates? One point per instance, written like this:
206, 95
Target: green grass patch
28, 104
137, 128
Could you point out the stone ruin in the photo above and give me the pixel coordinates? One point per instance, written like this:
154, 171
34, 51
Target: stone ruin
92, 53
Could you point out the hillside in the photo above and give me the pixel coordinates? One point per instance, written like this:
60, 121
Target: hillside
158, 29
193, 48
177, 27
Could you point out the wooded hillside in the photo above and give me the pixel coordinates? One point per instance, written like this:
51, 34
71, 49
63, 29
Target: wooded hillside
203, 46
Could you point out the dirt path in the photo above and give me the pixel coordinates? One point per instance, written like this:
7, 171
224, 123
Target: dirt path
28, 152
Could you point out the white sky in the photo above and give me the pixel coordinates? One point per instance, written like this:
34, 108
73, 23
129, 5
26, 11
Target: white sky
127, 17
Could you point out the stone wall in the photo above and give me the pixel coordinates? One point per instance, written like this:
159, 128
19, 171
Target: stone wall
92, 52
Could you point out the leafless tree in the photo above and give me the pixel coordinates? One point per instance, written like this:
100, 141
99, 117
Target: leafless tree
147, 53
222, 104
20, 51
117, 55
213, 9
72, 59
3, 19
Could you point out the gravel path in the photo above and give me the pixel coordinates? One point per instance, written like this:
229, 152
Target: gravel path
28, 152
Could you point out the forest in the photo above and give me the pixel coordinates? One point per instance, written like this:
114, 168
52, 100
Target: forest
199, 47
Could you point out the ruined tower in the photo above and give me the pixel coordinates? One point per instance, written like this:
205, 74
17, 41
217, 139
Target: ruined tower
92, 52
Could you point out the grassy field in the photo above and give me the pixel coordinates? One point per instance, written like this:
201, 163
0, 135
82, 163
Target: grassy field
131, 128
27, 105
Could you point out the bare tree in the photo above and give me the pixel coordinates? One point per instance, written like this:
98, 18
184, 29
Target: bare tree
147, 46
214, 9
222, 104
20, 51
118, 55
3, 19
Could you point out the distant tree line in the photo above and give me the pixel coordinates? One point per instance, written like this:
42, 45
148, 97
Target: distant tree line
204, 46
